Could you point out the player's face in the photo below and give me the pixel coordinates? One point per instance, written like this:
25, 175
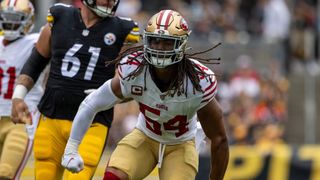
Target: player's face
106, 3
161, 44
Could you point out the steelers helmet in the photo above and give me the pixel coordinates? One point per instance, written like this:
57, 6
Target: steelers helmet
16, 18
102, 11
167, 25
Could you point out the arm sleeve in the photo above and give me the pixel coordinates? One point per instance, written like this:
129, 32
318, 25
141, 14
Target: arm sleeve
208, 85
99, 100
35, 64
209, 92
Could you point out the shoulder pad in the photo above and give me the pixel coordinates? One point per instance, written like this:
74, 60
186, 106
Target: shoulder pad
132, 28
134, 36
208, 83
129, 64
209, 86
56, 11
125, 18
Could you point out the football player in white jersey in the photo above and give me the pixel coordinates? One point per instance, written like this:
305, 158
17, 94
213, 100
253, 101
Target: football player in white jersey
16, 22
171, 88
75, 42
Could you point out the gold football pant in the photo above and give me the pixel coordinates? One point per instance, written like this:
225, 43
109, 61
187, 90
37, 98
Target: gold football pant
50, 140
15, 148
137, 155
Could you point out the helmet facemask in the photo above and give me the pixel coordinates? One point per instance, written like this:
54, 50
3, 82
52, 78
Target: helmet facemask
102, 11
13, 24
173, 53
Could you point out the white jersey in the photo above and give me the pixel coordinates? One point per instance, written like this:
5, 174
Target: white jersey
169, 120
12, 59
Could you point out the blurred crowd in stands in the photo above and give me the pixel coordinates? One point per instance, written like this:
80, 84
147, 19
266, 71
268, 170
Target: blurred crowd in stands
254, 103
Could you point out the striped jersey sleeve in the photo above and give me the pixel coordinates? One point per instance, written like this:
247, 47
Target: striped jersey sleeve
128, 65
208, 85
210, 90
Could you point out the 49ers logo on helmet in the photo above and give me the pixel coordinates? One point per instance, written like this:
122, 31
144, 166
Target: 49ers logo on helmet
184, 24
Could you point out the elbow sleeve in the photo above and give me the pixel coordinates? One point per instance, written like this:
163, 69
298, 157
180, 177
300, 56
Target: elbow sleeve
34, 65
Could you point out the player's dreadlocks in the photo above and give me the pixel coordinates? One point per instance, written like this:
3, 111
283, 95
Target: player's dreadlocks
186, 67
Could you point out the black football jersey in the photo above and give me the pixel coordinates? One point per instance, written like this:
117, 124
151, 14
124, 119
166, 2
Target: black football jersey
78, 60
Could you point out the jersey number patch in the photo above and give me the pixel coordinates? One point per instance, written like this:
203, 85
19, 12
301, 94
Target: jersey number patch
11, 71
71, 64
178, 123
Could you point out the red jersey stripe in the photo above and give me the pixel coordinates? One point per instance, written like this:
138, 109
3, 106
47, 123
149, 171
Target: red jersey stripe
206, 100
120, 72
211, 92
212, 84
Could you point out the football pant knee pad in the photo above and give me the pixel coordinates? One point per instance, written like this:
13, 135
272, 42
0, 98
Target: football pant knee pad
5, 171
47, 170
17, 141
43, 147
91, 150
4, 178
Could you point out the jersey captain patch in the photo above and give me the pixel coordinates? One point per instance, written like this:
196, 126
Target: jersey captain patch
136, 90
109, 38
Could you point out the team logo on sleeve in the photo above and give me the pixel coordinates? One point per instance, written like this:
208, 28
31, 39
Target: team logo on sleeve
109, 39
136, 90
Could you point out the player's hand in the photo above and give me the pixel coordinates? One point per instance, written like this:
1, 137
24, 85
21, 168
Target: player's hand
20, 112
71, 159
73, 162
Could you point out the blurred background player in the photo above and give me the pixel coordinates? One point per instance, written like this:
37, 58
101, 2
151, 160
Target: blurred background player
171, 88
16, 22
77, 42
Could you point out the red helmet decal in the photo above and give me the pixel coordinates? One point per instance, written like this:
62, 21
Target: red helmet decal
164, 19
184, 24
